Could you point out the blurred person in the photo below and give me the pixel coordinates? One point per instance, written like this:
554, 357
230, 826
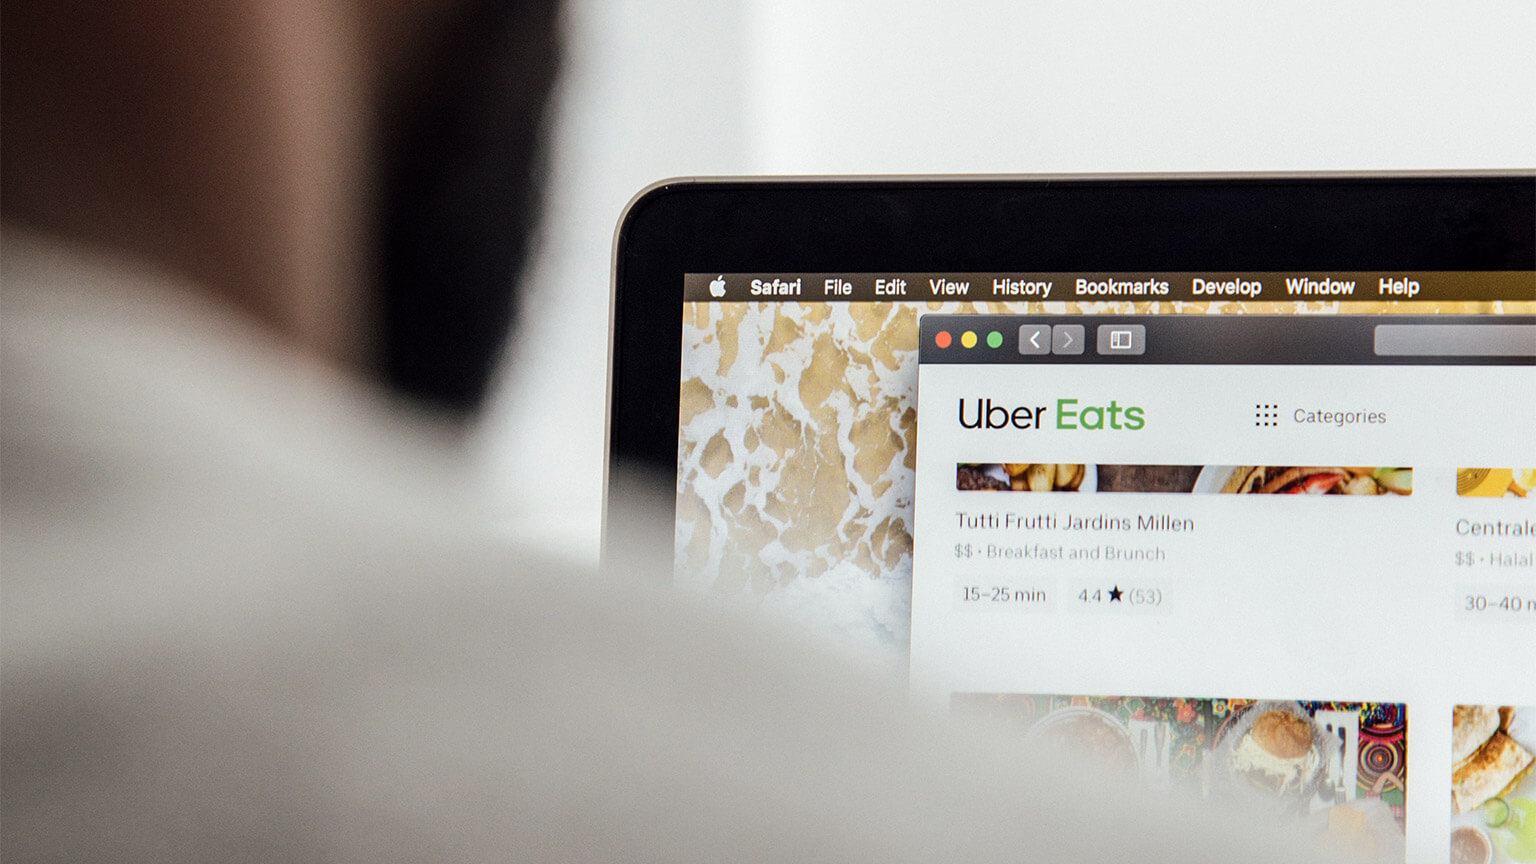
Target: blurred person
246, 613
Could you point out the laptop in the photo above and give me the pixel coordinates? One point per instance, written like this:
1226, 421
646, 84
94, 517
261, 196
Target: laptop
1223, 481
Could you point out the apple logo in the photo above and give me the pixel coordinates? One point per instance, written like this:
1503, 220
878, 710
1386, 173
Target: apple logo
717, 286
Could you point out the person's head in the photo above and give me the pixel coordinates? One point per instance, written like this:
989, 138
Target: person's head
359, 175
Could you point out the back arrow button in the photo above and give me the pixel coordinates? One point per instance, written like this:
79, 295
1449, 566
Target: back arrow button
1035, 339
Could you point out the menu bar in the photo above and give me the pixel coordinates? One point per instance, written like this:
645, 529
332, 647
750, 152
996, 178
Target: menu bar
1420, 286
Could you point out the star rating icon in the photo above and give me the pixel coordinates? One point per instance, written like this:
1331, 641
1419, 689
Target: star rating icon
1114, 594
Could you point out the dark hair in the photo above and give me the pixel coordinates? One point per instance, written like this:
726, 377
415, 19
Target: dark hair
459, 190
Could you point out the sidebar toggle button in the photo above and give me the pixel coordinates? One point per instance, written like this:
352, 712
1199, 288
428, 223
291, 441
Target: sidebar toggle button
1122, 339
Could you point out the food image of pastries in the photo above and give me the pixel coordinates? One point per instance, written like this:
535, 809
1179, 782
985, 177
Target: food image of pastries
1318, 480
1037, 477
1495, 763
1020, 477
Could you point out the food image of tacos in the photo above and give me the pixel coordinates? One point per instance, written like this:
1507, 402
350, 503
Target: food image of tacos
1487, 760
1499, 765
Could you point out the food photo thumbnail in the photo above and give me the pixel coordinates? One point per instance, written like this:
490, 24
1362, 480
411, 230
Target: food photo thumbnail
1022, 477
1184, 479
1495, 482
1493, 793
1313, 480
1337, 768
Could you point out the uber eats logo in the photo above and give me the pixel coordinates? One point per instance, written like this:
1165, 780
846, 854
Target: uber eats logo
1068, 414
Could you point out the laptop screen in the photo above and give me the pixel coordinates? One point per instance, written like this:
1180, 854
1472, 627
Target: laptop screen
1283, 513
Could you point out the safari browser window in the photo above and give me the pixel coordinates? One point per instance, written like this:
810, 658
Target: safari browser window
1280, 557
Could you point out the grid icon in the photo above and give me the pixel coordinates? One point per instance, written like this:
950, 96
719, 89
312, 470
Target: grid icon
1266, 415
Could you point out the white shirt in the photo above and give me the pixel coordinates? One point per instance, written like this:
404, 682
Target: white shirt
248, 617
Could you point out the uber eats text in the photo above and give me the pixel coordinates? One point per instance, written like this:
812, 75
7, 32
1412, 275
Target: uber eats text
1069, 414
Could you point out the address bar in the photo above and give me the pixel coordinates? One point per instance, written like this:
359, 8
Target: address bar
1455, 340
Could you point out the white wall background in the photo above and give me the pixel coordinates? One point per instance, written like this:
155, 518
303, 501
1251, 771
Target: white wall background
677, 87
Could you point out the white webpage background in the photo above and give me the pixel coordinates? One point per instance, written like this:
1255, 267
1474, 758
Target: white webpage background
1336, 598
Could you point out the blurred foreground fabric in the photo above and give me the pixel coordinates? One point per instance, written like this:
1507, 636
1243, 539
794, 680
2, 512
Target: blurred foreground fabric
247, 617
